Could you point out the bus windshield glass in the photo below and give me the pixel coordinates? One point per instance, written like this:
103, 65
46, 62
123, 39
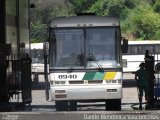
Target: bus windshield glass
84, 48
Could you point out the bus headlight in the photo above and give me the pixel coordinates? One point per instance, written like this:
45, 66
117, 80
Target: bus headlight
60, 94
111, 90
58, 82
108, 81
119, 81
113, 81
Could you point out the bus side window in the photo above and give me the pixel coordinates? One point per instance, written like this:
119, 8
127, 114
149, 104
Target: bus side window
132, 50
157, 49
143, 48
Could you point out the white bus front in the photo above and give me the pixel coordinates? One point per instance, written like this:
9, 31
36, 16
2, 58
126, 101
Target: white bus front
85, 64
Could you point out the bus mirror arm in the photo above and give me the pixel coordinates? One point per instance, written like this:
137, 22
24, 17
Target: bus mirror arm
157, 68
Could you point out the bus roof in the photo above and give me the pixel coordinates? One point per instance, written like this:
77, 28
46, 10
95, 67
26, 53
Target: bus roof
144, 42
84, 21
36, 45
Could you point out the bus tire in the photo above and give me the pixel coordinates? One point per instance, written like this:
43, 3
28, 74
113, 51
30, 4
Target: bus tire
73, 105
61, 105
113, 104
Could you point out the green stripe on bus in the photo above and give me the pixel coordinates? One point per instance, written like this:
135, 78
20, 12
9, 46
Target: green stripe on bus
99, 76
89, 75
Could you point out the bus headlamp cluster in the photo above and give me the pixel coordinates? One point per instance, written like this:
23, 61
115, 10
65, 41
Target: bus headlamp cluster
58, 82
104, 82
60, 94
113, 81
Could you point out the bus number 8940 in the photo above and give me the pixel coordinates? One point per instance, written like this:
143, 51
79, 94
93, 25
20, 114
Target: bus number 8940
67, 76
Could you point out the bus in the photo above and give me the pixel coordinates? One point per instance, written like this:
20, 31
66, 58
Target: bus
37, 57
136, 54
85, 61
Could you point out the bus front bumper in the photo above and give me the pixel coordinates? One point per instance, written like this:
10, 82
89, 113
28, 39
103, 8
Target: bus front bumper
88, 92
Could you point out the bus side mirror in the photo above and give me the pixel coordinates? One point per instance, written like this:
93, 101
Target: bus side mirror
125, 45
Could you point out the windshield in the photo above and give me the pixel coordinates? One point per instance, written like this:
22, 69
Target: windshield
69, 47
101, 45
37, 56
84, 48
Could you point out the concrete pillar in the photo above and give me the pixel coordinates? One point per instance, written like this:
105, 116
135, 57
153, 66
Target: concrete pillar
3, 84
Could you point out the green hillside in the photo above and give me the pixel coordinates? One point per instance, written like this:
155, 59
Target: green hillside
140, 19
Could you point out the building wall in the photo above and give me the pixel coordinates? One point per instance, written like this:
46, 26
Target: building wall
11, 27
24, 25
3, 90
14, 30
17, 27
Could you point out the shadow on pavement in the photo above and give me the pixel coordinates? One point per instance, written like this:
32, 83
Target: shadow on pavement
129, 83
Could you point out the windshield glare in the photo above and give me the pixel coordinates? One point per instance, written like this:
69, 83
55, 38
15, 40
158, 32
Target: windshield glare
84, 48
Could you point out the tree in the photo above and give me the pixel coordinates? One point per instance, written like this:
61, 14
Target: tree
146, 22
38, 32
115, 8
99, 8
156, 6
81, 6
138, 18
48, 9
157, 35
44, 11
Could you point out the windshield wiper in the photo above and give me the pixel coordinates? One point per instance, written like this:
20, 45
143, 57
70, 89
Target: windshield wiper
92, 58
78, 60
71, 68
